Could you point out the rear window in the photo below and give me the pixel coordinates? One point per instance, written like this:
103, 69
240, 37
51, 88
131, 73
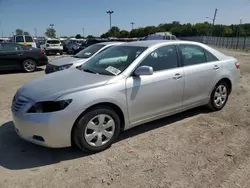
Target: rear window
28, 39
53, 42
19, 39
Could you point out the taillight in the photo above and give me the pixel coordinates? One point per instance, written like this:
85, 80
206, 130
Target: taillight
42, 52
237, 65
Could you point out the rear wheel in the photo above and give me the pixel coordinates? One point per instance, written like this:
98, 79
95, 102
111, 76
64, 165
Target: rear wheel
219, 96
29, 65
97, 129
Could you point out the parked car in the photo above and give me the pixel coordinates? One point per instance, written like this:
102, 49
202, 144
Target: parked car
52, 46
160, 36
78, 59
73, 45
14, 56
25, 40
120, 88
90, 42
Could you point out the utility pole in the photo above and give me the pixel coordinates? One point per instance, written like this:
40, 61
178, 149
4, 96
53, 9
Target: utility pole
215, 14
110, 12
35, 32
132, 23
82, 32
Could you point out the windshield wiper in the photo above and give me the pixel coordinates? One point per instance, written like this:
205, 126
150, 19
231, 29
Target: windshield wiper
88, 70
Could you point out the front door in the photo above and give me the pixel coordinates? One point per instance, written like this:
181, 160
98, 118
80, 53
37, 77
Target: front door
154, 95
202, 70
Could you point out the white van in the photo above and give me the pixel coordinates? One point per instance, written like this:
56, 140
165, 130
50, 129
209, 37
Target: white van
25, 40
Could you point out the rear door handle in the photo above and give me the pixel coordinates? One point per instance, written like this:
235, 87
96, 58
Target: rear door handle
177, 76
216, 67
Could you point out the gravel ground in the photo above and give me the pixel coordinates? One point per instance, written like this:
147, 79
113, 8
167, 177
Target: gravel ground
196, 148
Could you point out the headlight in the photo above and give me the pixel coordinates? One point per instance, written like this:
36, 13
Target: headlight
49, 106
64, 67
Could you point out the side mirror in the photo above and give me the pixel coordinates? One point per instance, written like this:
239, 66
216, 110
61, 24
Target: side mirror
144, 70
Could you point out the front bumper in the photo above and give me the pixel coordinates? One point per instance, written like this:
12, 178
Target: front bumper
52, 129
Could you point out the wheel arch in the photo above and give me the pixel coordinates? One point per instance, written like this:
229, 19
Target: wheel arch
111, 105
227, 81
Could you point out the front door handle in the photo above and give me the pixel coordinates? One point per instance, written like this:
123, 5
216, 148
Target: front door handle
177, 76
216, 67
20, 54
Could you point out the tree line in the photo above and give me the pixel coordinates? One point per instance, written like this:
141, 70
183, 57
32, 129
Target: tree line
183, 30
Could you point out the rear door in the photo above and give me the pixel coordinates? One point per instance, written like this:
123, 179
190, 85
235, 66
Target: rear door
201, 70
11, 55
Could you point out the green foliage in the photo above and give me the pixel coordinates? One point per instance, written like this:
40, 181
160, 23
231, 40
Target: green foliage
78, 36
90, 37
26, 33
50, 32
182, 30
19, 32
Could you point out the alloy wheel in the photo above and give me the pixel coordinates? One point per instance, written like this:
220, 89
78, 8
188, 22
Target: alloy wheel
29, 65
220, 95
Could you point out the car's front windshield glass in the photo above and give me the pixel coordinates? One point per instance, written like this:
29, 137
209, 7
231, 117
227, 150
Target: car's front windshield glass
89, 51
113, 61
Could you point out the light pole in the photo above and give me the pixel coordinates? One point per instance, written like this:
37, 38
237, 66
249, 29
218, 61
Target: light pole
132, 23
35, 32
1, 27
51, 25
82, 32
110, 12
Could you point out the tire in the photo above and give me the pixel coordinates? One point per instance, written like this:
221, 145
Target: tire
29, 65
61, 53
88, 134
219, 96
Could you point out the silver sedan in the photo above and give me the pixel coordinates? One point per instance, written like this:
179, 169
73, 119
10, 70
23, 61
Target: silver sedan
122, 87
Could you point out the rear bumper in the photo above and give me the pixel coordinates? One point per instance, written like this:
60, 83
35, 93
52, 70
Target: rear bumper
42, 61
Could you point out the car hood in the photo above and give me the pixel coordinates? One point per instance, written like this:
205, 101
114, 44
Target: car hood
67, 60
52, 86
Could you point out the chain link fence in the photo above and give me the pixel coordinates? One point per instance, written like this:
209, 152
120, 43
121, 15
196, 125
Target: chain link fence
242, 43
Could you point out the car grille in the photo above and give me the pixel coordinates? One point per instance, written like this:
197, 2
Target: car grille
18, 103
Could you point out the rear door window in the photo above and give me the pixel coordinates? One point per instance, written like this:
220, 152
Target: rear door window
11, 47
192, 54
210, 57
53, 42
28, 39
19, 39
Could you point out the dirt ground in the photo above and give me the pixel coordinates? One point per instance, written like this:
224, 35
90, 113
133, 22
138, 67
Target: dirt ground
197, 148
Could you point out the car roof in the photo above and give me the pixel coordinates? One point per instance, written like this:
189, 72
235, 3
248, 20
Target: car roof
149, 43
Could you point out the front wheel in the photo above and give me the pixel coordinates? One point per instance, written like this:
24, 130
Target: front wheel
97, 129
29, 65
219, 96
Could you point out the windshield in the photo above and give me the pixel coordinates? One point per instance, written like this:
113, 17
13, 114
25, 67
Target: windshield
113, 61
28, 39
53, 41
89, 51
